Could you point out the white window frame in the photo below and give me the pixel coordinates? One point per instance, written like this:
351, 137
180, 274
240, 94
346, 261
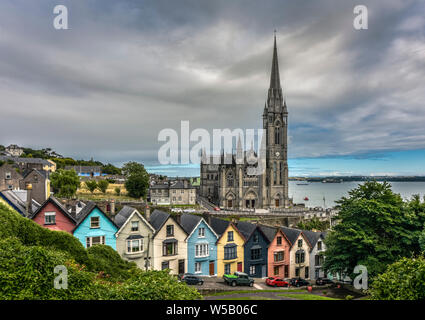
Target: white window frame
201, 233
91, 223
198, 267
129, 246
201, 250
137, 223
252, 269
49, 214
89, 241
8, 175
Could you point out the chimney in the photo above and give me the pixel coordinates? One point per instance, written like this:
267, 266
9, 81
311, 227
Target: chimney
74, 210
147, 213
178, 218
29, 199
113, 207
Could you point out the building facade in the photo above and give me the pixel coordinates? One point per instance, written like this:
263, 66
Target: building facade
54, 216
232, 181
173, 193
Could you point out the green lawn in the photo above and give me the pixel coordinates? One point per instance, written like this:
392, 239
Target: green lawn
248, 298
226, 293
306, 296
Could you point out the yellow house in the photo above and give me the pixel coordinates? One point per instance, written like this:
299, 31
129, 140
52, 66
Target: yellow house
230, 251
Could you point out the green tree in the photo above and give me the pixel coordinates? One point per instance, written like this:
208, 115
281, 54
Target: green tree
375, 229
137, 179
91, 185
314, 223
117, 191
402, 280
110, 169
103, 185
65, 183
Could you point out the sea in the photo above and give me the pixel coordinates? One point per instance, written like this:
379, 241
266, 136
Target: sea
324, 195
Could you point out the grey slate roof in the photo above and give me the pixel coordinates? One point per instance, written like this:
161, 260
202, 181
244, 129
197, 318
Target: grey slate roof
312, 237
158, 218
269, 232
246, 228
123, 215
17, 199
219, 225
189, 222
291, 233
26, 160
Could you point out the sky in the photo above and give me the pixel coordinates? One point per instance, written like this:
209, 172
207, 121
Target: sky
125, 70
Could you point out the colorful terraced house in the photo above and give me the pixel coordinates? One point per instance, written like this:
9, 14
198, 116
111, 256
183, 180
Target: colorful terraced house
95, 227
230, 247
201, 245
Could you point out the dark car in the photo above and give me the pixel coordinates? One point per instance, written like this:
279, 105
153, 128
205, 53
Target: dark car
323, 281
276, 282
298, 282
191, 279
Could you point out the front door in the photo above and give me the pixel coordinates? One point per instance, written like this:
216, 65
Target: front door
212, 268
276, 202
181, 266
240, 266
229, 203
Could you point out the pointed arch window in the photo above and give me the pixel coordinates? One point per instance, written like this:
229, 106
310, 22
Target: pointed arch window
274, 173
278, 134
281, 173
230, 180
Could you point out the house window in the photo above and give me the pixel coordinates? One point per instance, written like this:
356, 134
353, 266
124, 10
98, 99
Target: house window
299, 256
297, 272
201, 232
8, 175
255, 254
306, 275
134, 226
201, 250
279, 256
50, 218
169, 249
251, 270
319, 245
227, 268
198, 267
276, 270
317, 273
170, 230
134, 246
230, 253
10, 187
279, 241
230, 236
91, 241
165, 265
300, 243
94, 222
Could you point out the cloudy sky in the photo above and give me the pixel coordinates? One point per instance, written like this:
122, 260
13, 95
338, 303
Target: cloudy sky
125, 70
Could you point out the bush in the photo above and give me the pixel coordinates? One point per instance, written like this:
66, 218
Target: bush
117, 191
403, 280
103, 185
91, 185
106, 260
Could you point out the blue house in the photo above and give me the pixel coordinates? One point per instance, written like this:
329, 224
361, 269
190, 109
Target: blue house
95, 227
201, 245
255, 249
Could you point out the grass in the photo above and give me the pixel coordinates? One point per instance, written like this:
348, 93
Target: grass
226, 293
306, 296
248, 298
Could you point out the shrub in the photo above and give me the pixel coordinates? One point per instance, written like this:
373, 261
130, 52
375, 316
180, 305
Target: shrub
103, 185
117, 191
91, 185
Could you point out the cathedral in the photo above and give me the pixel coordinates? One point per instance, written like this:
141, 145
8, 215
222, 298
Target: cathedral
231, 183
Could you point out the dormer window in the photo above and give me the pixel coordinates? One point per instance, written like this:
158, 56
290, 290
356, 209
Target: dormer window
230, 236
201, 232
134, 226
279, 241
170, 230
8, 175
50, 218
300, 243
319, 245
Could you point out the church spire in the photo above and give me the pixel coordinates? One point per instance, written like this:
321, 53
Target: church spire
275, 78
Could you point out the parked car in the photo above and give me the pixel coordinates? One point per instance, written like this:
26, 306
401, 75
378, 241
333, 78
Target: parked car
189, 210
190, 278
177, 210
276, 282
216, 209
323, 281
238, 278
298, 282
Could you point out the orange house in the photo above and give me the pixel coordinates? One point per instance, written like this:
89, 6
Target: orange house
277, 252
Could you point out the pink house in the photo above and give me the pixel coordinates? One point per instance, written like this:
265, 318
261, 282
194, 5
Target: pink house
53, 215
277, 253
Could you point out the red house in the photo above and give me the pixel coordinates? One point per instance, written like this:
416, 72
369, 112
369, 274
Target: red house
54, 216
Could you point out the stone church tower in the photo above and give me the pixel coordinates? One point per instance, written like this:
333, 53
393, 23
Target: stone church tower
275, 122
230, 184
